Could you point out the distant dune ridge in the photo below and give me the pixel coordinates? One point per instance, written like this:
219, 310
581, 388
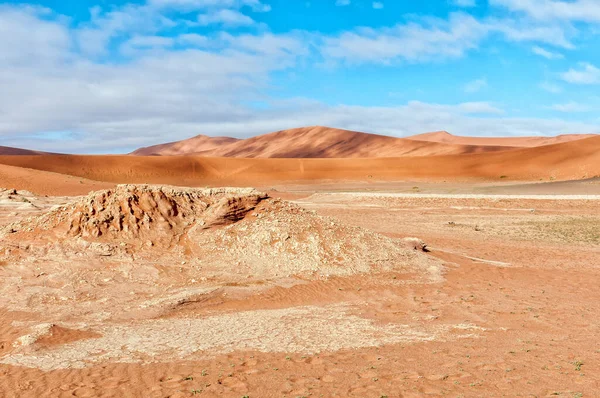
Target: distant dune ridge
443, 137
199, 143
565, 161
312, 142
309, 154
6, 150
327, 142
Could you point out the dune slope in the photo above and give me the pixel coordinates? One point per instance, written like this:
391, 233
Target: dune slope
44, 182
200, 143
311, 142
7, 150
571, 160
443, 137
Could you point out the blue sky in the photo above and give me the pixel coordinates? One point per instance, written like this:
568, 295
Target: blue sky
110, 76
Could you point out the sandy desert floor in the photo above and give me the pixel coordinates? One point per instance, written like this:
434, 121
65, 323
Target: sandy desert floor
504, 304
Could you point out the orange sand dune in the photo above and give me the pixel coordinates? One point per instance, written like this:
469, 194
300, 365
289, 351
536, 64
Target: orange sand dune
311, 142
47, 183
6, 150
200, 143
570, 160
443, 137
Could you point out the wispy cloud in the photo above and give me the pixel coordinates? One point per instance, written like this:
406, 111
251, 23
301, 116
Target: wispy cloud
342, 2
225, 17
431, 40
577, 10
189, 5
475, 85
550, 87
571, 107
586, 74
135, 73
545, 53
465, 3
378, 5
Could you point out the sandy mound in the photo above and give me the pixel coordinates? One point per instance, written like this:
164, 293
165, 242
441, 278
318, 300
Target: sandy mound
233, 230
286, 239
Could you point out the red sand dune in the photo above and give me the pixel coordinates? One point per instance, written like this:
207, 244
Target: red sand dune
200, 143
311, 142
565, 161
443, 137
6, 150
47, 183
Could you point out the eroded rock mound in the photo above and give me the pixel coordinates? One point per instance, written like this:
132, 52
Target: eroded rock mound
146, 212
221, 231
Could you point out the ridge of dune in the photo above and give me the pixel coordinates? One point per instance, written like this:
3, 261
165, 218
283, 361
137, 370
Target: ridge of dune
7, 150
564, 161
195, 144
310, 142
443, 137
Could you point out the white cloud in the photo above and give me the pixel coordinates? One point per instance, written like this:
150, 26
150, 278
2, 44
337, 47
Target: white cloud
49, 43
545, 53
528, 31
571, 107
465, 3
587, 74
415, 117
550, 87
137, 44
225, 17
189, 5
578, 10
193, 39
378, 5
342, 3
189, 84
434, 40
288, 46
475, 85
161, 90
94, 37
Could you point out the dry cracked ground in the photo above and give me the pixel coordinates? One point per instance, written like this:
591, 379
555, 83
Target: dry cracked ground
143, 291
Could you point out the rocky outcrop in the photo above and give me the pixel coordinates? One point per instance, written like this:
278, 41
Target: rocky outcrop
134, 212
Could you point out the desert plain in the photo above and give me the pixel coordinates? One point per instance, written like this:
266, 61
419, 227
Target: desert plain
305, 263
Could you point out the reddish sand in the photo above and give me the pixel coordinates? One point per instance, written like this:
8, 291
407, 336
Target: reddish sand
532, 299
200, 143
6, 150
311, 142
47, 183
566, 161
443, 137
